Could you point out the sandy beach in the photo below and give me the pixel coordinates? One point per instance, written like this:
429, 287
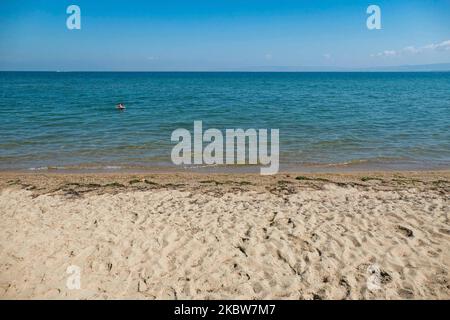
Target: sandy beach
377, 235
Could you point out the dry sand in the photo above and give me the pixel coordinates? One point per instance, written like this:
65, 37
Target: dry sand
199, 236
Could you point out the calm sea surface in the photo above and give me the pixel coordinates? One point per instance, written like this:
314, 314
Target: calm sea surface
326, 120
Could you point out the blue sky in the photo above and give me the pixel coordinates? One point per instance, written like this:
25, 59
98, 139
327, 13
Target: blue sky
220, 34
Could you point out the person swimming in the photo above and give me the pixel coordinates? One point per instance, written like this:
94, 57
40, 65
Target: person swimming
120, 106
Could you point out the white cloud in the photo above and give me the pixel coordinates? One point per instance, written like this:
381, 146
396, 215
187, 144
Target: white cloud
327, 56
442, 46
410, 49
268, 56
385, 53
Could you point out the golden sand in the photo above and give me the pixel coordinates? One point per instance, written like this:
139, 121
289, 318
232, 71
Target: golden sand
224, 236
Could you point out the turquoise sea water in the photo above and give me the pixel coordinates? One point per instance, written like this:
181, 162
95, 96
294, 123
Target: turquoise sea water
326, 120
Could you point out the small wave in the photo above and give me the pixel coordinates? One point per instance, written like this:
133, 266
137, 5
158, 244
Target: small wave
75, 168
347, 163
201, 166
46, 168
38, 169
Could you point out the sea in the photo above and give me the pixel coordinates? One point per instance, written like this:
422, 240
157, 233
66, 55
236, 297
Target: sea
327, 121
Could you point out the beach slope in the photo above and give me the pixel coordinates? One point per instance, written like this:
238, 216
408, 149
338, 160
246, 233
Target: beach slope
223, 236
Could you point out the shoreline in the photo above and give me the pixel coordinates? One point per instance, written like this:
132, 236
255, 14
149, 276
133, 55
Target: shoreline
335, 168
350, 166
159, 179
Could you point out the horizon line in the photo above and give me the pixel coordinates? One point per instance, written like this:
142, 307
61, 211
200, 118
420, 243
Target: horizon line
225, 71
433, 67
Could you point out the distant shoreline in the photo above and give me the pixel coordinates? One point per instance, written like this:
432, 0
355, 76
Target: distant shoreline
434, 67
225, 71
